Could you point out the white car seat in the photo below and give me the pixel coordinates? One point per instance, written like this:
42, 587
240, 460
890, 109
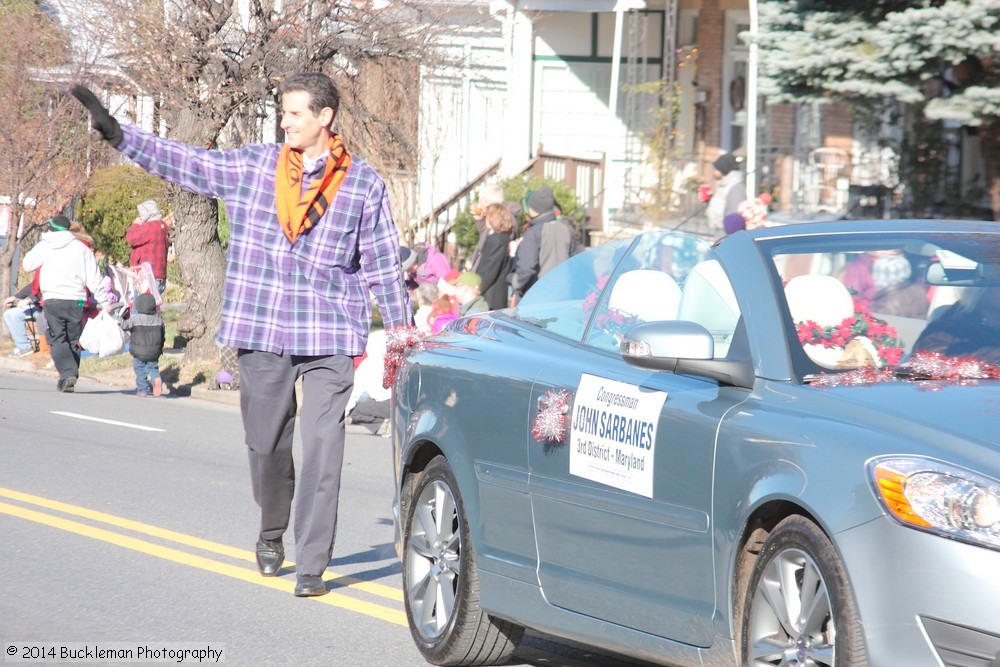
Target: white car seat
651, 296
709, 300
823, 300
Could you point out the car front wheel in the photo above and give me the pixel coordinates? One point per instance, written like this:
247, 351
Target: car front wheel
799, 609
440, 580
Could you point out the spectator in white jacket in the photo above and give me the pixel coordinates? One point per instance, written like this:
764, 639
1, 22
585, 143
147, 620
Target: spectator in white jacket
69, 269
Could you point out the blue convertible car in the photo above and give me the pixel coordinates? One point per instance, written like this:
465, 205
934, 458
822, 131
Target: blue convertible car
780, 449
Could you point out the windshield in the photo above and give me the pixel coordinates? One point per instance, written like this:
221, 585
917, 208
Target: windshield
881, 301
612, 287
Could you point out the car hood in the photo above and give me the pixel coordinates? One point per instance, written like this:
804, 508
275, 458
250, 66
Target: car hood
930, 411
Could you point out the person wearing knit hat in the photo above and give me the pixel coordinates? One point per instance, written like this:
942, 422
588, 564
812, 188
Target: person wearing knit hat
149, 239
547, 242
890, 272
407, 258
733, 223
446, 287
70, 269
467, 292
148, 210
59, 223
754, 211
725, 163
540, 201
467, 279
730, 191
897, 293
145, 324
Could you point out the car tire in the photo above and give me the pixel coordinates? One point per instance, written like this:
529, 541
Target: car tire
798, 568
441, 582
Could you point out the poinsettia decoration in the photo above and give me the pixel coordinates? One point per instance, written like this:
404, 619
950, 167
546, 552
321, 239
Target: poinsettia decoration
550, 422
612, 321
591, 299
861, 325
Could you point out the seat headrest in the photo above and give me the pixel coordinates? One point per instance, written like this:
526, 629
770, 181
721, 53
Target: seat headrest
652, 296
820, 299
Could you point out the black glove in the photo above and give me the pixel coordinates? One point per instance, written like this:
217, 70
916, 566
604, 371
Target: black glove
101, 119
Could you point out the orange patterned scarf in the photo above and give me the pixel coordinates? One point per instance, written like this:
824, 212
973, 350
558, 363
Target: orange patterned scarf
298, 211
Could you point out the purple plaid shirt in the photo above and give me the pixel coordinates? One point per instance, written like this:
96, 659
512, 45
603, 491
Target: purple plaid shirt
311, 297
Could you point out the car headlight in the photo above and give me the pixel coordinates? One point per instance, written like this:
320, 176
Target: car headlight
940, 498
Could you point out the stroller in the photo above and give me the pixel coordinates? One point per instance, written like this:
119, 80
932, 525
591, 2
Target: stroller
129, 282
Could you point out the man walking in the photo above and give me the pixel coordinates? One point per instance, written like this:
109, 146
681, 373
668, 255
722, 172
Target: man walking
149, 241
311, 234
69, 269
546, 243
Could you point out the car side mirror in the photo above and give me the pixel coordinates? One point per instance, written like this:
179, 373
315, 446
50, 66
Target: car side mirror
656, 344
682, 347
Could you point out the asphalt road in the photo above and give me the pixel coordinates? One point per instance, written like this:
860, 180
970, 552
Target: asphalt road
128, 524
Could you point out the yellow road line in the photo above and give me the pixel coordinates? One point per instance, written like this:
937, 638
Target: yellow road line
180, 538
336, 599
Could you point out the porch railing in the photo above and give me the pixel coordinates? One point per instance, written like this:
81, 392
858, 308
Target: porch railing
584, 176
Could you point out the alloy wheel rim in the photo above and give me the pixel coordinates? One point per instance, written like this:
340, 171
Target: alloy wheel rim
433, 563
791, 615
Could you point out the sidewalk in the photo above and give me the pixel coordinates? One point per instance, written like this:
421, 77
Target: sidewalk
125, 378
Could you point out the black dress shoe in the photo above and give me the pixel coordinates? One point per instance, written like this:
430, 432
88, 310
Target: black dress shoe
270, 556
309, 585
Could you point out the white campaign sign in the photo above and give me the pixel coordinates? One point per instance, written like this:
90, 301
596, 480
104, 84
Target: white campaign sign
613, 433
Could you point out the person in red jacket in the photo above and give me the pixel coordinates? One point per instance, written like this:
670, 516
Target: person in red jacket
149, 241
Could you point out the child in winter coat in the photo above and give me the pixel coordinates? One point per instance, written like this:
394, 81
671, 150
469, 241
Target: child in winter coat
442, 312
146, 347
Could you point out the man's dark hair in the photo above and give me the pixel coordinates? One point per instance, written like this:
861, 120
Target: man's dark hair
321, 88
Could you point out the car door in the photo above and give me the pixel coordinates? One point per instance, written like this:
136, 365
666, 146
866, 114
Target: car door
622, 505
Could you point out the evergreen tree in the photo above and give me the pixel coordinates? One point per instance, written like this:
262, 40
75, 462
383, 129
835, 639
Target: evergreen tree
942, 55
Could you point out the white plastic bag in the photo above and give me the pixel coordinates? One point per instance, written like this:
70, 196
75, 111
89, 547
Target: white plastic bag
102, 336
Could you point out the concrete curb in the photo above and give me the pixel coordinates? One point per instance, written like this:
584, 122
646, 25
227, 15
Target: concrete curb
124, 378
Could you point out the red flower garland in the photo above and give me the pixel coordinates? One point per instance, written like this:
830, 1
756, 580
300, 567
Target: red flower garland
613, 321
882, 335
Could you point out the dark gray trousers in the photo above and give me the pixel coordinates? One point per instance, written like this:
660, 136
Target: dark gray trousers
268, 404
63, 327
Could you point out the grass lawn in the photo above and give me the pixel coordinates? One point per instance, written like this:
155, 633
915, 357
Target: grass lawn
119, 361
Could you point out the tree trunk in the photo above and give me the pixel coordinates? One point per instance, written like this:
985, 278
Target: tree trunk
202, 263
6, 255
6, 258
8, 270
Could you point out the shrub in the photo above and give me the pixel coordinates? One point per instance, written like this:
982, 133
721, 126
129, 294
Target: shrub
108, 205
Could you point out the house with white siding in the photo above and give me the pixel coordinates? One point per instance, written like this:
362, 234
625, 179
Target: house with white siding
571, 79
